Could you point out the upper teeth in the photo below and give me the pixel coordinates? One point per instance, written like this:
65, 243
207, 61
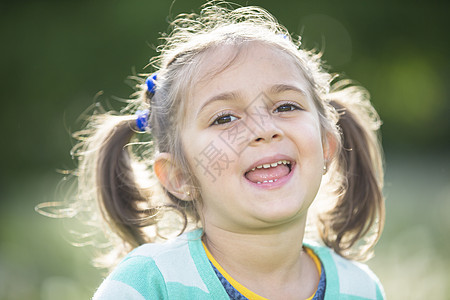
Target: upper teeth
273, 165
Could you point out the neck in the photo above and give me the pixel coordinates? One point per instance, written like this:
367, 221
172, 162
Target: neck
265, 261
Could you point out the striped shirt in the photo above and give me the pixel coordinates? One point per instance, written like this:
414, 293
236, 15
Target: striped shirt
180, 269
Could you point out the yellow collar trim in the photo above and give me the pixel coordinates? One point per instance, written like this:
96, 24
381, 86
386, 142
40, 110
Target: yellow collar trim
316, 262
245, 291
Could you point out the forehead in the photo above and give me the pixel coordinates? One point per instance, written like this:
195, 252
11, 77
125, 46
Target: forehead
247, 67
223, 58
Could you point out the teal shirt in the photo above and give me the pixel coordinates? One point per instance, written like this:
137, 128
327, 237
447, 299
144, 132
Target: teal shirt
180, 269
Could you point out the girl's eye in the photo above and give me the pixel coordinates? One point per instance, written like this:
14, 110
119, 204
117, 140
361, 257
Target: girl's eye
287, 107
224, 119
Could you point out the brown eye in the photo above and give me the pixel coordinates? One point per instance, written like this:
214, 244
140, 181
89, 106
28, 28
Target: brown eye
287, 107
224, 119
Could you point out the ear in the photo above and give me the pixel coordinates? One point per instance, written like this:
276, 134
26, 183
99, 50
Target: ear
330, 145
171, 177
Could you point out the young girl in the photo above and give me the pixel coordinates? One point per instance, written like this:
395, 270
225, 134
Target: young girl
243, 130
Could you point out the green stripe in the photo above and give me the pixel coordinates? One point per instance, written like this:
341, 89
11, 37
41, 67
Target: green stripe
203, 266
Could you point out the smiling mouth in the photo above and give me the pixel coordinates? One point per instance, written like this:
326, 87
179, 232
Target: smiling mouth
266, 173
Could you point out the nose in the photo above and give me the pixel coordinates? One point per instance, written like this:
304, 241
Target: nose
266, 133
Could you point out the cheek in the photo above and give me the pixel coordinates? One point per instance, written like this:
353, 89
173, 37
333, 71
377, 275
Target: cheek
309, 137
209, 156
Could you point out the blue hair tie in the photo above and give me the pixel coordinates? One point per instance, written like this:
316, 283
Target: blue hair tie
151, 83
142, 119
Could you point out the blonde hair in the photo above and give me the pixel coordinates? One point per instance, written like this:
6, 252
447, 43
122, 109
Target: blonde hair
112, 155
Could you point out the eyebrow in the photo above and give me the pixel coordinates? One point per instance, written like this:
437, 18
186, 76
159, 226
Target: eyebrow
229, 96
279, 88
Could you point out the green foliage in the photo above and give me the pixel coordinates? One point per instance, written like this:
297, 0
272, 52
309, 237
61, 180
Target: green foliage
56, 56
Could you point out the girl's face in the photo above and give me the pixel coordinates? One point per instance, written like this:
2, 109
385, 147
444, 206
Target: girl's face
253, 139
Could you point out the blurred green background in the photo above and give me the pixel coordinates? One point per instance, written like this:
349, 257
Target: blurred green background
55, 56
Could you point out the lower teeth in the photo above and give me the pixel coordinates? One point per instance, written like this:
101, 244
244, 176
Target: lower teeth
266, 181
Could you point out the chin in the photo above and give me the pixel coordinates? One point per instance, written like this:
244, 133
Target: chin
281, 214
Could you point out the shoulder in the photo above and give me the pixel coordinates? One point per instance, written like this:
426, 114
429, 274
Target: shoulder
175, 259
347, 279
158, 271
135, 278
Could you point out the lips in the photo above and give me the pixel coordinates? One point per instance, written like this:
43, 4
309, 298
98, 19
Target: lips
269, 172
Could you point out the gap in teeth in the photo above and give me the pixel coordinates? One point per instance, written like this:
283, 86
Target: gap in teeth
273, 165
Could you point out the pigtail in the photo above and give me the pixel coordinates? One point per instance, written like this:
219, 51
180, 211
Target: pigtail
122, 203
359, 210
111, 185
